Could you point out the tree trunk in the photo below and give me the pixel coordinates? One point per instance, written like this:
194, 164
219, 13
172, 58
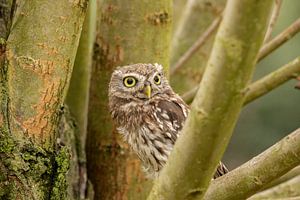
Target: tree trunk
127, 33
38, 58
78, 93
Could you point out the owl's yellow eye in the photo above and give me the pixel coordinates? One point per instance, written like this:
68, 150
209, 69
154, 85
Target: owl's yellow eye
129, 81
157, 79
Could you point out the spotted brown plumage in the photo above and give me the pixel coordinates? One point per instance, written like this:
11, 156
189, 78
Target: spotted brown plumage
148, 114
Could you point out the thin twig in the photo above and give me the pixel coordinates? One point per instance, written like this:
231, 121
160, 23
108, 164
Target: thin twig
264, 85
273, 20
250, 177
273, 80
189, 95
280, 39
197, 45
268, 48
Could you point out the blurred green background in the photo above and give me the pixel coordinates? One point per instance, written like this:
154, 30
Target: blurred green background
276, 114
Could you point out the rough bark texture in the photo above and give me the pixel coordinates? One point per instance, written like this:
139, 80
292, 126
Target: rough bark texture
195, 19
127, 33
218, 102
256, 173
38, 58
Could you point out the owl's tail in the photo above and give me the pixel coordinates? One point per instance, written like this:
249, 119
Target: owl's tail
221, 170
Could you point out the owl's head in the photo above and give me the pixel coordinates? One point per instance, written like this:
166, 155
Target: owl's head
138, 82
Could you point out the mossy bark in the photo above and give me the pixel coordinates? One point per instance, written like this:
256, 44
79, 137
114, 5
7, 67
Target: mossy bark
127, 33
218, 102
37, 62
196, 17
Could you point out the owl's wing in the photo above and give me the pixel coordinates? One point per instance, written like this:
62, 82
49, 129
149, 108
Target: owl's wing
171, 115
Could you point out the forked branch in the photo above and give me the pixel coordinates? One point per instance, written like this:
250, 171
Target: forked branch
273, 20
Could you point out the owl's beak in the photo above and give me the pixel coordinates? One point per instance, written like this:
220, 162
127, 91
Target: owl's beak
147, 91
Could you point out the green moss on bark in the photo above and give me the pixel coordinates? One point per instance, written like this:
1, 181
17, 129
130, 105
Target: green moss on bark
62, 164
36, 63
30, 172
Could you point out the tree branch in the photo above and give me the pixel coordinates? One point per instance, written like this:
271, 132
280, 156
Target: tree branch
273, 19
289, 175
189, 95
280, 39
211, 120
124, 30
196, 17
197, 45
289, 188
273, 80
256, 173
263, 85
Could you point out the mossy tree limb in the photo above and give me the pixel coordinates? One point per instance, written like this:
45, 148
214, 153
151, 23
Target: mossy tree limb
127, 33
218, 102
39, 55
256, 173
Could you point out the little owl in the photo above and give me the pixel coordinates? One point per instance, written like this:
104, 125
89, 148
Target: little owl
148, 114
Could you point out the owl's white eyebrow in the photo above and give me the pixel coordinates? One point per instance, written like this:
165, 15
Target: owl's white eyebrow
132, 74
